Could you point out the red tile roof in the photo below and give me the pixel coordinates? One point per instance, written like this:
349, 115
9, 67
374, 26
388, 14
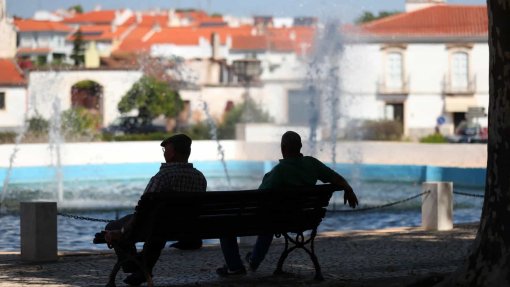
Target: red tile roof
29, 51
250, 43
93, 17
28, 25
243, 38
274, 43
148, 19
139, 38
96, 33
439, 20
10, 74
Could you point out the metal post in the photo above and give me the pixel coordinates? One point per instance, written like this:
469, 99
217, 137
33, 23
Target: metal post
38, 231
437, 206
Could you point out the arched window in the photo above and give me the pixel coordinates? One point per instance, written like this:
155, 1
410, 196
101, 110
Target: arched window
87, 94
459, 70
394, 70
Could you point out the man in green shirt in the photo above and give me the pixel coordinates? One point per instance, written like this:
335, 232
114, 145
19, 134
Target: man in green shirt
293, 170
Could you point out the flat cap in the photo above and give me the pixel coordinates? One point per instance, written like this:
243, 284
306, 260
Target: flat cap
180, 140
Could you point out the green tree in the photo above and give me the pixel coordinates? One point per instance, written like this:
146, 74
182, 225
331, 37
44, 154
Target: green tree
77, 8
78, 48
152, 98
368, 16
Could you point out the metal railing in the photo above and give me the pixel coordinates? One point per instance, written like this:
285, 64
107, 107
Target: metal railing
450, 89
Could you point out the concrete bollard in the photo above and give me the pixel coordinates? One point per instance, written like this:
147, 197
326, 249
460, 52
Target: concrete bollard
38, 225
437, 206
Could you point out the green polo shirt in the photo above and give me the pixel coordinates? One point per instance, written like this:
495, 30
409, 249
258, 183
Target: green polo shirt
299, 171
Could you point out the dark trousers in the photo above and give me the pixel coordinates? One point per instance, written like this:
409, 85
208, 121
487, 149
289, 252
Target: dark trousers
230, 250
151, 248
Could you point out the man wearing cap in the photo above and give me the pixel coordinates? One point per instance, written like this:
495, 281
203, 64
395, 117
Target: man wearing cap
174, 175
293, 170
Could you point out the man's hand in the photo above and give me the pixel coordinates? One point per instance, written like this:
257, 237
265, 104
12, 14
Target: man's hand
350, 197
112, 235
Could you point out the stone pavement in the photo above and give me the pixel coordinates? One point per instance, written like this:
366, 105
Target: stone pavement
388, 257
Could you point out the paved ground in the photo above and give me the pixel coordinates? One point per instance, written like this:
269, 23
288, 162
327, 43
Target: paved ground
389, 257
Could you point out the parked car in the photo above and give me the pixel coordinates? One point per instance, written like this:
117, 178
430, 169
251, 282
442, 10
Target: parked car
469, 133
133, 125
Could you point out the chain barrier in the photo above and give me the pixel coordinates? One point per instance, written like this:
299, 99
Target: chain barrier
382, 205
468, 194
83, 217
334, 210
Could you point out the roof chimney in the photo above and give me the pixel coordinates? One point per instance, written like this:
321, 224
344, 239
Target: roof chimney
215, 43
413, 5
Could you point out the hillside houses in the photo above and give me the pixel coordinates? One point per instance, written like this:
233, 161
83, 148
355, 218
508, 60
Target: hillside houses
426, 68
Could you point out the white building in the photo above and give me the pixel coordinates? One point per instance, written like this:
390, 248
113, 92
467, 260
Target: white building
8, 42
425, 67
13, 96
43, 41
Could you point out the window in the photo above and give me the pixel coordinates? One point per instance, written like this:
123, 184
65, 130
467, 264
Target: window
459, 76
2, 101
304, 107
394, 70
394, 112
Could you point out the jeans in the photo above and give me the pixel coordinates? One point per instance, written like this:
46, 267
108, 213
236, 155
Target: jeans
230, 250
151, 248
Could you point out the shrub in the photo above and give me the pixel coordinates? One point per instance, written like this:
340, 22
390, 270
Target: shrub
247, 112
7, 137
199, 131
79, 122
37, 125
136, 137
383, 130
433, 138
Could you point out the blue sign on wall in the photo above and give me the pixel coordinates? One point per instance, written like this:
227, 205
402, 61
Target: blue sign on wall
440, 120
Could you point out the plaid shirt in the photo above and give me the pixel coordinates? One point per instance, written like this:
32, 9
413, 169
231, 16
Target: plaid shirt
177, 177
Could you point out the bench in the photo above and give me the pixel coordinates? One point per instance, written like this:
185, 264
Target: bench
215, 214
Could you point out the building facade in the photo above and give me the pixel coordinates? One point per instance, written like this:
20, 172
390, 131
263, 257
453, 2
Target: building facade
427, 68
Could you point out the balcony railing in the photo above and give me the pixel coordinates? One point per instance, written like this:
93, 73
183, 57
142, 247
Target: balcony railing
450, 89
384, 89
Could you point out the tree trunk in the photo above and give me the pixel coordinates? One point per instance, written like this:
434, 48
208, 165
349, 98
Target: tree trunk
489, 262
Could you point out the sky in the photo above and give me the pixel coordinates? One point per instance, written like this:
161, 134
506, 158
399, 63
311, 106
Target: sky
343, 10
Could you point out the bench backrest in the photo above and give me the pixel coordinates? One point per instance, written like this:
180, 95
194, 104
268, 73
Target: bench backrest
174, 216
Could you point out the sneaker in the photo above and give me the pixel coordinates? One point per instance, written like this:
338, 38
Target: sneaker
225, 272
253, 266
135, 279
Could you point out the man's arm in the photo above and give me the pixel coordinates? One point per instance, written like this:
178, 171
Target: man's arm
349, 195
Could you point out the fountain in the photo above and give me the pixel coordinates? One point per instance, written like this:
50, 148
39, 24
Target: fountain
55, 143
19, 138
213, 132
323, 82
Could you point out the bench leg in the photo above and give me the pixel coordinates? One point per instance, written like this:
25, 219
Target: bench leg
300, 242
283, 256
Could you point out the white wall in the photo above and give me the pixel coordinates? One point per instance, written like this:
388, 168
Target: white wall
8, 42
45, 87
367, 152
15, 107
